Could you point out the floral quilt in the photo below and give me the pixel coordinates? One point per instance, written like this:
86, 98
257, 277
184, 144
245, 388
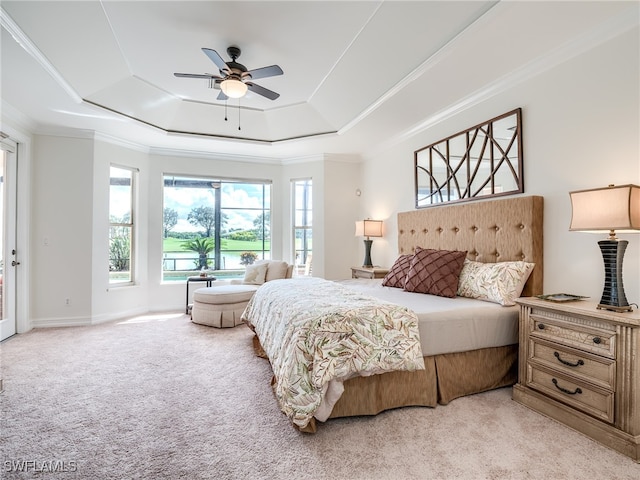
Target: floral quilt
315, 331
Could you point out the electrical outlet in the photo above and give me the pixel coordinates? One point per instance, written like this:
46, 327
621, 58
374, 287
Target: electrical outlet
67, 301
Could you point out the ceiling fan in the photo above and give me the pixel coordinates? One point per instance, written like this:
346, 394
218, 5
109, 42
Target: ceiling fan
234, 79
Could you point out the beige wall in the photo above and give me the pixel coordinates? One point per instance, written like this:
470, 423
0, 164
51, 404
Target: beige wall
61, 237
580, 130
71, 208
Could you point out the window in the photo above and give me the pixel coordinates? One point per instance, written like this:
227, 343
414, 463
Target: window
302, 225
214, 224
121, 225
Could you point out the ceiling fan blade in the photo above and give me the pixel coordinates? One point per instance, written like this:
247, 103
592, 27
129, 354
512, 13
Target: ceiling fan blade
265, 92
222, 96
196, 75
264, 72
215, 58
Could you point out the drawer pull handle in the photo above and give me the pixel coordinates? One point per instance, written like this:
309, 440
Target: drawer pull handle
597, 340
564, 390
541, 326
577, 364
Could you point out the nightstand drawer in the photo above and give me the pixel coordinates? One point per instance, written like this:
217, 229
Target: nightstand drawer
597, 402
582, 365
368, 272
586, 338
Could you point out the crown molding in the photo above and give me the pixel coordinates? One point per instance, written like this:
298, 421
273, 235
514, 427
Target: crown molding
616, 26
318, 157
15, 117
228, 157
103, 137
19, 36
427, 65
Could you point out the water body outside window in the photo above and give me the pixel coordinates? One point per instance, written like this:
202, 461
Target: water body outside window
217, 225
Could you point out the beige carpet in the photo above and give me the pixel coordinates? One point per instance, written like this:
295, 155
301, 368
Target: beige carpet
159, 397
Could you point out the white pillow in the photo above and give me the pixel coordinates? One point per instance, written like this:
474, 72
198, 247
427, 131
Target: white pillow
500, 282
276, 269
255, 274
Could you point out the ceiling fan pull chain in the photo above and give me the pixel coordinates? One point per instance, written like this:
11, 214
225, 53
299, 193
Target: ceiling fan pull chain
239, 114
225, 110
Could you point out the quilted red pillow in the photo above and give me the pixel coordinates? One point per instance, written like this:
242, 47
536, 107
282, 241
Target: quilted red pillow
397, 276
435, 271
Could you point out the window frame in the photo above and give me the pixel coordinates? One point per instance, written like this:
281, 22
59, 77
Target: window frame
131, 225
219, 211
308, 209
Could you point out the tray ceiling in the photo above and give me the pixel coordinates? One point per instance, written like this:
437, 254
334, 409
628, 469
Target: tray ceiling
355, 73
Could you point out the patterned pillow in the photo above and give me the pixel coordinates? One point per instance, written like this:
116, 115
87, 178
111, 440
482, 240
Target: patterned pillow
397, 276
435, 272
500, 282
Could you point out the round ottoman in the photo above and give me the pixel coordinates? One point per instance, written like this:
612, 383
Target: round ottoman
221, 306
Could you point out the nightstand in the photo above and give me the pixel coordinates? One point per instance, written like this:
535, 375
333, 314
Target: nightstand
580, 366
368, 272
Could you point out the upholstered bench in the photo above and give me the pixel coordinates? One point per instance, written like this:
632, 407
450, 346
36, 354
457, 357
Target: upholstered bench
221, 306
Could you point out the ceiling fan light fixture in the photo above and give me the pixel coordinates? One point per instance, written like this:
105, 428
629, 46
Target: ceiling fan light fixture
233, 88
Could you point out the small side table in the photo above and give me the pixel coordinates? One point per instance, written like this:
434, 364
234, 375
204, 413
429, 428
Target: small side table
207, 279
368, 272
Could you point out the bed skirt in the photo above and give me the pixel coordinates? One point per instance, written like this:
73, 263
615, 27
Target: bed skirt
446, 377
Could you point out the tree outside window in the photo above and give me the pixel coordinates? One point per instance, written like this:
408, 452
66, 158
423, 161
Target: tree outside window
219, 225
121, 225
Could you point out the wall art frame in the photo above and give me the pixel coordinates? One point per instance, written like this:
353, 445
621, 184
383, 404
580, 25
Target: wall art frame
483, 161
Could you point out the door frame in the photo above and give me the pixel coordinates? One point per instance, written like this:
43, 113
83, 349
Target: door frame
9, 317
23, 195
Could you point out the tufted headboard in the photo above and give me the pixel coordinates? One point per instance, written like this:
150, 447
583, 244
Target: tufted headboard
490, 231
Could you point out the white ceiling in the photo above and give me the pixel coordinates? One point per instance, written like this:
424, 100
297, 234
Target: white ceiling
355, 73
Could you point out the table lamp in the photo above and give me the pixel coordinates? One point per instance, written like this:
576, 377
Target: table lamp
368, 228
613, 208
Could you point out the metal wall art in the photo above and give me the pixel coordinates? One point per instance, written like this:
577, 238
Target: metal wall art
483, 161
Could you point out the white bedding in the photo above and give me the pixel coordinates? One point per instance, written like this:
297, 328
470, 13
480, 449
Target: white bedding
449, 325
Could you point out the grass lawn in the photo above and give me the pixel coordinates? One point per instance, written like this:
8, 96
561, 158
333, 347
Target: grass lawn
176, 245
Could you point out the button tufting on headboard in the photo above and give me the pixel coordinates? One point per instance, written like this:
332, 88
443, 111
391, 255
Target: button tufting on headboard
495, 230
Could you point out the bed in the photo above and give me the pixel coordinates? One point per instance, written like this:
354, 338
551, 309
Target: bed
454, 363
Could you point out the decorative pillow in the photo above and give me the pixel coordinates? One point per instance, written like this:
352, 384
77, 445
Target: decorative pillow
255, 274
500, 282
397, 276
435, 272
275, 269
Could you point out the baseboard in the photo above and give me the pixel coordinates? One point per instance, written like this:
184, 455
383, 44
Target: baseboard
108, 317
60, 322
98, 319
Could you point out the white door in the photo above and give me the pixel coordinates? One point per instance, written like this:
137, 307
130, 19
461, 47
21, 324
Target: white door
8, 254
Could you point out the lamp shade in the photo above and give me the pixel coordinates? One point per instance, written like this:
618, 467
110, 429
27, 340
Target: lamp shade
609, 208
369, 228
233, 88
